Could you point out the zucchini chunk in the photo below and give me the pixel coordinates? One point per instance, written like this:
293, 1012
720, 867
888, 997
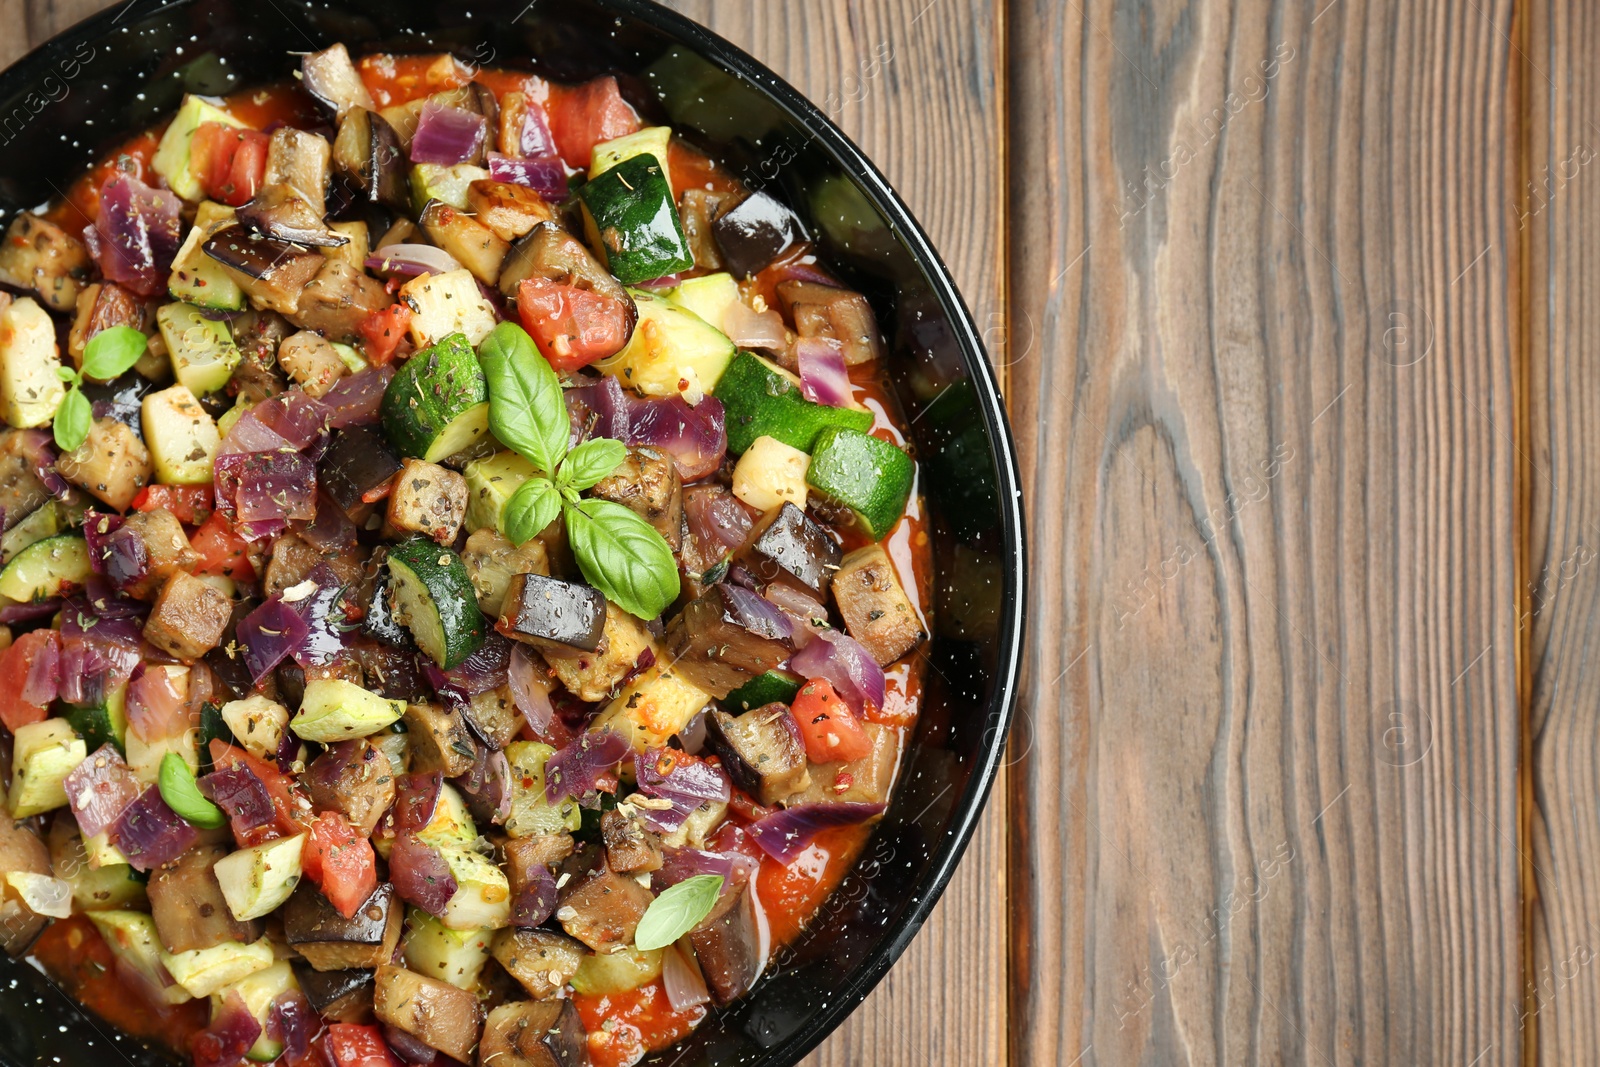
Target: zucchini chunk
771, 474
492, 562
332, 709
532, 816
631, 219
650, 141
181, 435
202, 351
132, 939
673, 352
434, 599
447, 185
257, 722
30, 387
438, 403
203, 971
255, 881
763, 400
443, 304
454, 956
171, 160
42, 756
656, 704
112, 464
198, 279
865, 474
46, 569
606, 974
490, 483
188, 907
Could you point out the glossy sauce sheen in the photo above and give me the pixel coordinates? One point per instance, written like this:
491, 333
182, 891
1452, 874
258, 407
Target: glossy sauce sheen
623, 1027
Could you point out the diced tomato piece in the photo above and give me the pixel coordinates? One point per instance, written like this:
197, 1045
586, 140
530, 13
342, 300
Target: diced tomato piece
582, 116
829, 728
291, 811
382, 331
230, 163
221, 550
189, 504
354, 1045
341, 862
15, 665
572, 327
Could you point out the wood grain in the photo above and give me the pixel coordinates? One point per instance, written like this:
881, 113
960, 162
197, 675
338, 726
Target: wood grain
918, 86
1558, 208
1268, 439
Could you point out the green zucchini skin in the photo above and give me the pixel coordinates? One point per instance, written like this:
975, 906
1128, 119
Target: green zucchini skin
868, 475
633, 219
434, 592
773, 687
438, 402
763, 402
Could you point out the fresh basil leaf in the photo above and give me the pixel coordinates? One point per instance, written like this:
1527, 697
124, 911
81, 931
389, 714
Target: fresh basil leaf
73, 419
526, 411
679, 909
531, 508
68, 375
178, 789
112, 351
622, 556
591, 461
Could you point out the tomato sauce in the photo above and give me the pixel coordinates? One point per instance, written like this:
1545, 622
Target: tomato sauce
74, 954
623, 1027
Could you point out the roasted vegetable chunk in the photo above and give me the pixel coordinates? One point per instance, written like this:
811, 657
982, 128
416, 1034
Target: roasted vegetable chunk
355, 779
436, 1013
554, 614
599, 906
728, 946
100, 307
338, 299
21, 491
41, 256
761, 751
312, 361
20, 850
542, 960
875, 608
647, 484
339, 996
112, 464
592, 676
272, 273
187, 905
165, 545
440, 740
819, 310
189, 617
429, 500
726, 637
530, 1033
786, 546
630, 848
330, 942
492, 561
509, 210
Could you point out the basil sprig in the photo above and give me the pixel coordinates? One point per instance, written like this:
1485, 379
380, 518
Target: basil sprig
618, 552
108, 355
679, 909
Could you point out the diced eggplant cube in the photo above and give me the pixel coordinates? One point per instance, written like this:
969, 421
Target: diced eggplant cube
493, 716
367, 151
511, 211
434, 1012
541, 960
112, 464
312, 361
21, 491
593, 676
647, 483
761, 751
338, 996
819, 310
272, 273
718, 646
428, 499
727, 945
875, 608
41, 256
755, 232
523, 854
439, 739
100, 307
189, 617
863, 781
534, 1033
338, 300
331, 77
303, 162
552, 613
597, 905
787, 546
279, 211
187, 904
358, 462
166, 547
353, 778
330, 942
630, 848
491, 561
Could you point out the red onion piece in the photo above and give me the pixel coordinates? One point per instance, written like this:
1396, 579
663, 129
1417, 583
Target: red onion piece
680, 976
250, 434
687, 782
241, 795
824, 378
269, 489
544, 174
113, 551
323, 613
99, 789
136, 235
808, 615
533, 139
39, 609
756, 614
536, 901
487, 786
407, 260
269, 635
480, 672
150, 834
293, 1022
292, 415
354, 400
157, 708
717, 522
416, 797
578, 768
848, 667
530, 690
447, 135
420, 874
229, 1036
783, 835
749, 328
43, 683
695, 437
101, 644
734, 868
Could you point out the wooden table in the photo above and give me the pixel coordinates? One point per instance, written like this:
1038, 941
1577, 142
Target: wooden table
1296, 311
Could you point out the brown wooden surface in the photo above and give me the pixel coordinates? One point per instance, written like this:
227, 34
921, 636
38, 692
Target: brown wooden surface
1256, 538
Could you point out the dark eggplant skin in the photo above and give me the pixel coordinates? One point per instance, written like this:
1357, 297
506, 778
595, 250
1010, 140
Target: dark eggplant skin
341, 996
330, 942
598, 906
728, 946
787, 546
278, 212
755, 232
552, 253
271, 271
630, 848
760, 751
534, 1033
712, 645
188, 907
379, 621
227, 659
549, 611
368, 152
358, 461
